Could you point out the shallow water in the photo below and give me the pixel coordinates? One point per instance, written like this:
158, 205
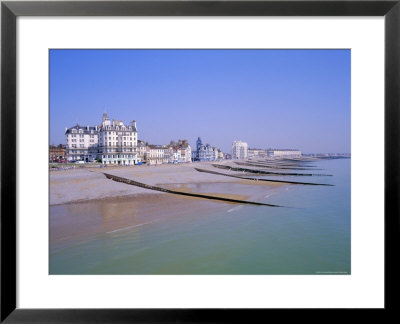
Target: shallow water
194, 236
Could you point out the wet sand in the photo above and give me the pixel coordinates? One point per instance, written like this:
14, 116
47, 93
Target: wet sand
79, 222
73, 223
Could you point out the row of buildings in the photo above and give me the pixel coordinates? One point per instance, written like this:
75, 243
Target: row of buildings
175, 152
113, 142
241, 150
283, 153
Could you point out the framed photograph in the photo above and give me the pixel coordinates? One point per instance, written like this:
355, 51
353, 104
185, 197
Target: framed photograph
195, 160
112, 181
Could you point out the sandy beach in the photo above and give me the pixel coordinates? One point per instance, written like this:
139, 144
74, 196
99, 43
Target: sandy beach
83, 184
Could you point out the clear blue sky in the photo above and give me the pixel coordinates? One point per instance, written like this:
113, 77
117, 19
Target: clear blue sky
268, 98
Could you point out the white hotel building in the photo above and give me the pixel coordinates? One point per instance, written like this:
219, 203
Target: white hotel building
112, 142
118, 142
240, 150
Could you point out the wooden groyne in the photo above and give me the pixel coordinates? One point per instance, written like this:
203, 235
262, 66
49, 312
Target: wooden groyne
268, 180
146, 186
227, 167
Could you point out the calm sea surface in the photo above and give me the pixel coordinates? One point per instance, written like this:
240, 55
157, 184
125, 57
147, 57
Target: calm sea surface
313, 237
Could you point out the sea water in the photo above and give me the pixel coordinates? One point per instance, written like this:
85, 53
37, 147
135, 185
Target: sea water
311, 235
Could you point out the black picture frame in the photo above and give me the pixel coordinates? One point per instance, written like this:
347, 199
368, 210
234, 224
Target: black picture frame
10, 10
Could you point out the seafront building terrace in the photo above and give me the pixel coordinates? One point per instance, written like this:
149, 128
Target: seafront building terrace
115, 143
174, 152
